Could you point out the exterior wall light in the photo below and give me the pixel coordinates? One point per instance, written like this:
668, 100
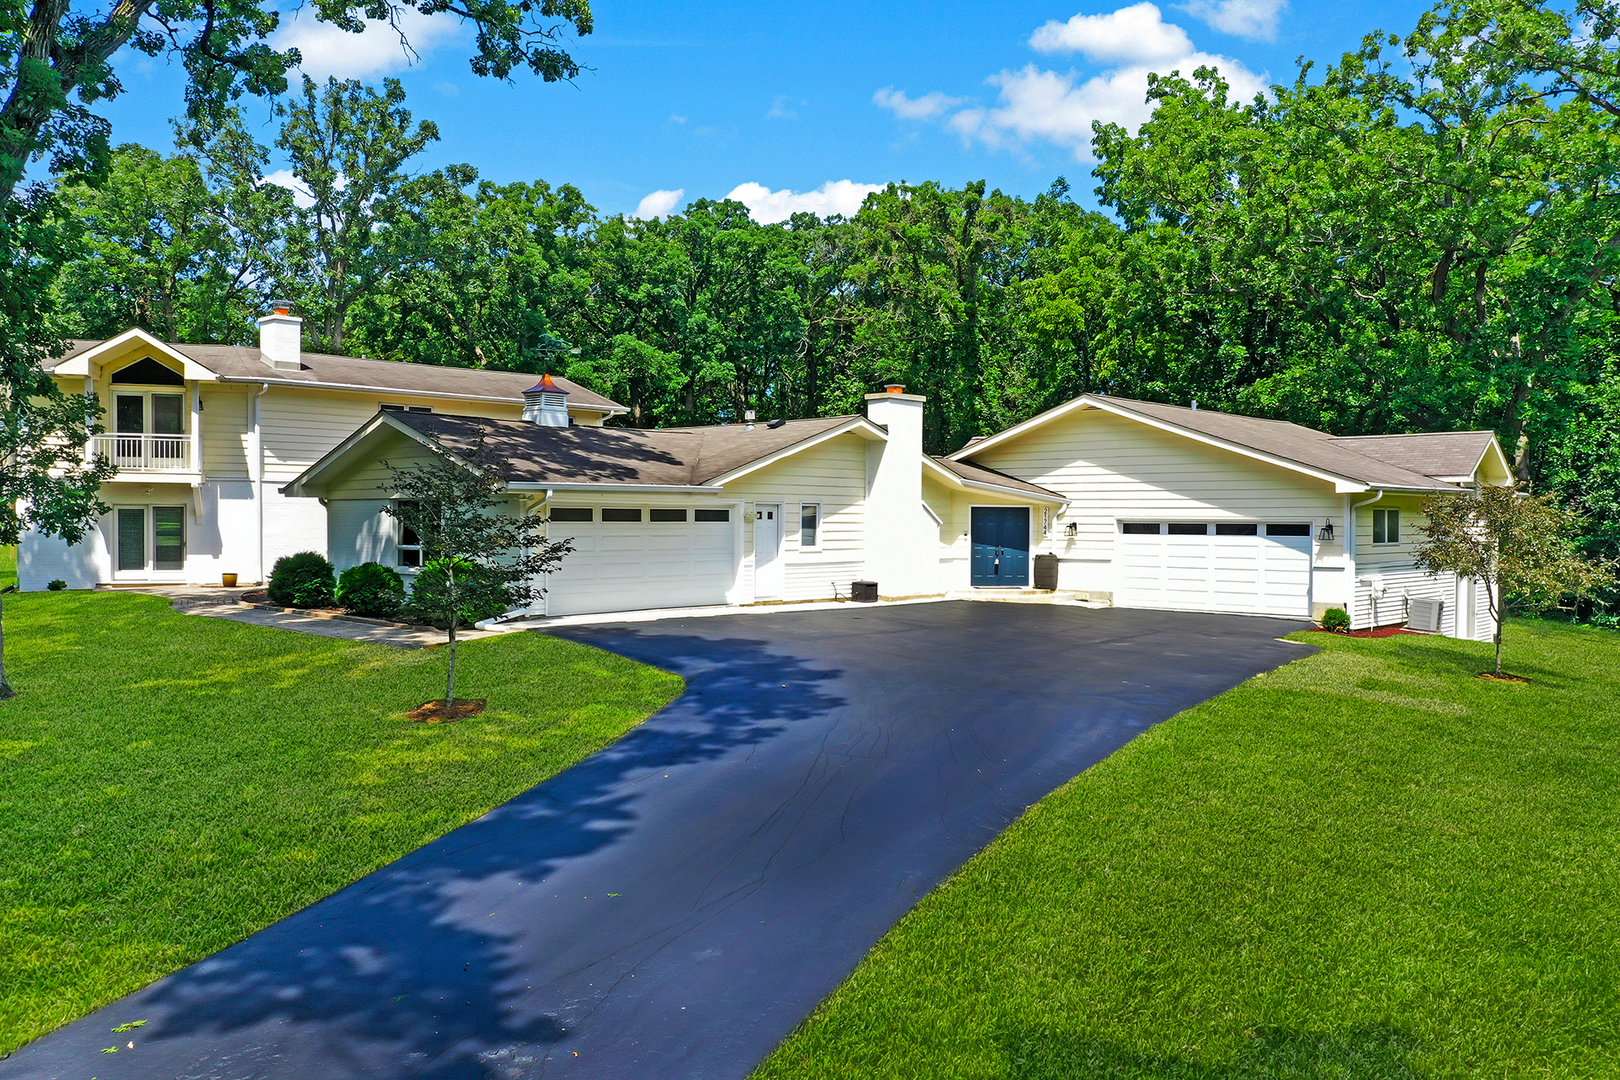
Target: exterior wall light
1325, 533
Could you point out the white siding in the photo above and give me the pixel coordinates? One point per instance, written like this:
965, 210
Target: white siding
1394, 566
833, 474
1114, 469
359, 532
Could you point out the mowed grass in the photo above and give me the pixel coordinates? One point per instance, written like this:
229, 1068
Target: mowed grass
170, 784
1368, 864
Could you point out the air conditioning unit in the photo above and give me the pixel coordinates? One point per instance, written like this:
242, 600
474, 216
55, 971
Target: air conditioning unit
1424, 615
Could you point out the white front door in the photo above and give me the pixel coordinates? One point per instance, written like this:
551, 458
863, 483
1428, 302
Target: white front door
1259, 568
767, 551
632, 558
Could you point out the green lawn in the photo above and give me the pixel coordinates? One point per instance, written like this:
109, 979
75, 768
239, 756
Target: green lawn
170, 783
1368, 864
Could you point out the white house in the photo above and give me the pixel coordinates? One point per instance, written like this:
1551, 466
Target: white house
1137, 504
204, 435
1184, 508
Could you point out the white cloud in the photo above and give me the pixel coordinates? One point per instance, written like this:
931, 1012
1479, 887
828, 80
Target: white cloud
1252, 19
782, 109
327, 50
657, 204
284, 178
1034, 104
927, 107
834, 197
1131, 35
676, 118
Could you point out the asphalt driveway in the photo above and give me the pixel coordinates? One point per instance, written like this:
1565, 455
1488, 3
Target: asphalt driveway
672, 906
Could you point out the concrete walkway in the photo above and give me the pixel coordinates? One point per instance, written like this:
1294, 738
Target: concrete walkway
222, 603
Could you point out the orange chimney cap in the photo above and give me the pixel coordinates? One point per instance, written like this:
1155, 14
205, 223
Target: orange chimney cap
894, 388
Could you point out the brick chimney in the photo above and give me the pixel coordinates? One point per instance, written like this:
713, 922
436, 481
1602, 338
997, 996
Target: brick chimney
281, 337
545, 403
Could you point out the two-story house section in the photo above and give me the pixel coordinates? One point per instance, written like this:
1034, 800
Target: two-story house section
204, 436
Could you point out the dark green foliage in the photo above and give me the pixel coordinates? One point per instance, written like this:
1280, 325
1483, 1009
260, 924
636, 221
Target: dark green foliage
302, 580
370, 589
1336, 619
56, 585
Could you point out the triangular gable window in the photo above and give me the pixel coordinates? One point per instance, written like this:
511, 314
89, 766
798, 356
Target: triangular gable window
147, 372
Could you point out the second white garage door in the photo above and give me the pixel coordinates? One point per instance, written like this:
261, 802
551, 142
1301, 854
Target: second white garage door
628, 559
1261, 568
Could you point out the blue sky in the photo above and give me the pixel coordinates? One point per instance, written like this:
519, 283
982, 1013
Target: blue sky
796, 106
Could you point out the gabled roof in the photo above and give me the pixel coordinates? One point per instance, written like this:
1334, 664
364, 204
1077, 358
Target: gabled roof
241, 363
1416, 462
966, 474
1436, 453
528, 455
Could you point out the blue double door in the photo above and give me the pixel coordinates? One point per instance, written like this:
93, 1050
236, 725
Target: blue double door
1000, 546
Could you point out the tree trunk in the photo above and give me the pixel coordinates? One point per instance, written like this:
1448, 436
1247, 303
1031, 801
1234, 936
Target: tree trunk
450, 682
5, 687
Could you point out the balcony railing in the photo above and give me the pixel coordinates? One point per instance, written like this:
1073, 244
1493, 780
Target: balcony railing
145, 453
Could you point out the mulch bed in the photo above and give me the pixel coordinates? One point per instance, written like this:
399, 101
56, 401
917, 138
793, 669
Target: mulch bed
1381, 632
434, 712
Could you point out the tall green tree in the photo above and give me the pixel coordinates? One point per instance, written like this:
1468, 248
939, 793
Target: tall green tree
474, 273
47, 483
348, 146
56, 59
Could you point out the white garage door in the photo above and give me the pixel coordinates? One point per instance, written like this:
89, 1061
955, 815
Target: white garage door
626, 559
1261, 568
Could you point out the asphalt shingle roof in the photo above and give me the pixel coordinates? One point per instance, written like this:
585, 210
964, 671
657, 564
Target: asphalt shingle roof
1400, 461
243, 362
968, 470
525, 452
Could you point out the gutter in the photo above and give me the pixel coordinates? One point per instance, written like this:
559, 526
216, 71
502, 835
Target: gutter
1350, 509
628, 489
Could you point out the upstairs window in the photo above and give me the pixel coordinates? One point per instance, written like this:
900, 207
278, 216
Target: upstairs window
1386, 526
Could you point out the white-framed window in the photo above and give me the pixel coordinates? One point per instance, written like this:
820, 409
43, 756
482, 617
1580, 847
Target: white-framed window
409, 544
809, 526
1386, 526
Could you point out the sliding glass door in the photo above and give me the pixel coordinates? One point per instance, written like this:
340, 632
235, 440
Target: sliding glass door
149, 541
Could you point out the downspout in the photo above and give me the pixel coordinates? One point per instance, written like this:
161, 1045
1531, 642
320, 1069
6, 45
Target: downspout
1350, 509
258, 469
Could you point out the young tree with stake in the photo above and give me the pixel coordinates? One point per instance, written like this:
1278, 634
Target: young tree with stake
478, 560
1521, 546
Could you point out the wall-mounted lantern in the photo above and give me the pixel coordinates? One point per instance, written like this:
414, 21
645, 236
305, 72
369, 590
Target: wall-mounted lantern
1071, 530
1325, 533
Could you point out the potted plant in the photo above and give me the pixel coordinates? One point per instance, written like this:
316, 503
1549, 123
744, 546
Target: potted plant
229, 580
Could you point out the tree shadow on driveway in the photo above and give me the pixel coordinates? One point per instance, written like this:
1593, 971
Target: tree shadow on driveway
429, 967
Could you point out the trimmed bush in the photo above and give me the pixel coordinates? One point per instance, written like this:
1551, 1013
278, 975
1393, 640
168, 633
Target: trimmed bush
1336, 619
302, 580
56, 585
371, 589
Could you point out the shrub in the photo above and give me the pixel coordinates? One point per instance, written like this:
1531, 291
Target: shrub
56, 585
430, 589
302, 580
371, 589
1336, 619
